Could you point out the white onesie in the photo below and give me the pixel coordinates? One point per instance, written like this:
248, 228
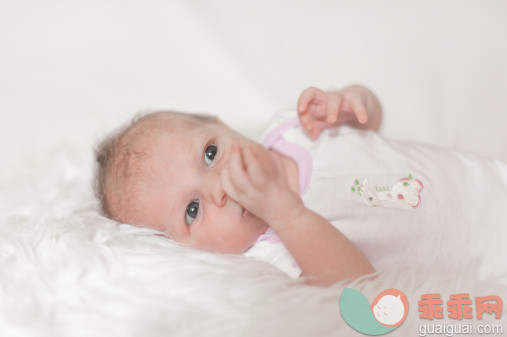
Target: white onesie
401, 203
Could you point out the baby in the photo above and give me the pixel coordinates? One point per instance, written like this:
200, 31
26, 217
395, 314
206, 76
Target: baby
323, 197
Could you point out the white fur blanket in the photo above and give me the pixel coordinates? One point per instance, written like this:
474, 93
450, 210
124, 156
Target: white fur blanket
67, 271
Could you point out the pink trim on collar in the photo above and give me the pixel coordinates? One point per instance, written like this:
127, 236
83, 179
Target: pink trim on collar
274, 140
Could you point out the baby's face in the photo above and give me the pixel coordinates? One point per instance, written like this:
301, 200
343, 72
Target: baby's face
186, 198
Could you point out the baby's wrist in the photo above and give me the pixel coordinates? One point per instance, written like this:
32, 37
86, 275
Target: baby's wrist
291, 213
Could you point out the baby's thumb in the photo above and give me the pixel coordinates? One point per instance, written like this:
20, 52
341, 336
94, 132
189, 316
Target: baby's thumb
225, 180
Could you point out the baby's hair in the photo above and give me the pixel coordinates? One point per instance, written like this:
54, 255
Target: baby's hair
118, 157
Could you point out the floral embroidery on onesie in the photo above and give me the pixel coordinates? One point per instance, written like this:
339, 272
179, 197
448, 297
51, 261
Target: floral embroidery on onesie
406, 191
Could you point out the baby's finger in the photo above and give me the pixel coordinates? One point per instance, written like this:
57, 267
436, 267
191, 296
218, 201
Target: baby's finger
304, 119
306, 97
253, 167
225, 180
359, 109
313, 115
239, 178
333, 107
315, 133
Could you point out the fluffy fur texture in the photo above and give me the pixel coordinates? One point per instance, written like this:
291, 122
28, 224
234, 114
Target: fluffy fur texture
67, 271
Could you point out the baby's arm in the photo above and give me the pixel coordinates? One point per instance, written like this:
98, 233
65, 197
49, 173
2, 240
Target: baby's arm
322, 252
256, 180
355, 105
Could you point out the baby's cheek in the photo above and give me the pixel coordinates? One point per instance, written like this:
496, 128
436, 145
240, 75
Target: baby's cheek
223, 241
240, 243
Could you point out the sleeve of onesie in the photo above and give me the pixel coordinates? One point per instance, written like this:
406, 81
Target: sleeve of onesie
276, 254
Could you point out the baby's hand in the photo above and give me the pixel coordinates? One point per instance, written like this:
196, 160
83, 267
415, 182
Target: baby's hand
319, 110
255, 180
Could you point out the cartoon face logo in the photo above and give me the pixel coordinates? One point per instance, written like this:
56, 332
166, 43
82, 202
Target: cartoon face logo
386, 312
388, 308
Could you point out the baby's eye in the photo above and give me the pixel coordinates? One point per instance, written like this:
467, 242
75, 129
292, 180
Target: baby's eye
210, 153
192, 211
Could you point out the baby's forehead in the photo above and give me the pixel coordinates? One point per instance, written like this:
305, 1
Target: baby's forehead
142, 144
165, 134
156, 128
167, 141
164, 121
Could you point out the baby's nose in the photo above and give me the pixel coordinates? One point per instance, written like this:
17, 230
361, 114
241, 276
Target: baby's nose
214, 190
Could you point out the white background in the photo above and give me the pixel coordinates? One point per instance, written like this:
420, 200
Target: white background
70, 71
